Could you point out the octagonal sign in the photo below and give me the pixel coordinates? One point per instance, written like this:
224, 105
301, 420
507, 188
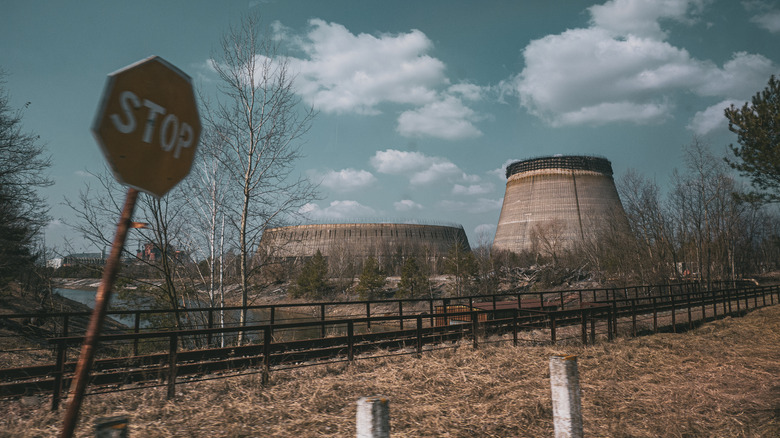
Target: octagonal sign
148, 126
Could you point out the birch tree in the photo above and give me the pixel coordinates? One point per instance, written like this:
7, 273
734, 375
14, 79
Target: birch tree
258, 119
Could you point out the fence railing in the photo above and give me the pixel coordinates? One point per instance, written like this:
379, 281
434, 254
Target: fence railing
163, 358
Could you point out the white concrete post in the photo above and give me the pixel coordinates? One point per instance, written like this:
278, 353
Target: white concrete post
373, 417
565, 386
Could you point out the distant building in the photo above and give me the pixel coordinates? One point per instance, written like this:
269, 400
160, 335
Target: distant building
152, 253
85, 258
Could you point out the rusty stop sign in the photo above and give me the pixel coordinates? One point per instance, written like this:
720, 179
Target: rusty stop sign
148, 125
148, 128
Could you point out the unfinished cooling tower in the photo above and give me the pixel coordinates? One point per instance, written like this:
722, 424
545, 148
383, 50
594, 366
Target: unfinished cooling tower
361, 240
556, 202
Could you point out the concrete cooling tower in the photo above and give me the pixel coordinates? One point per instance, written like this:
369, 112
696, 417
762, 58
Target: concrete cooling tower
360, 240
557, 201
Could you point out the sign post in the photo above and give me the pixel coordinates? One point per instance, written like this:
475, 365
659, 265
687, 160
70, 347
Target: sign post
148, 127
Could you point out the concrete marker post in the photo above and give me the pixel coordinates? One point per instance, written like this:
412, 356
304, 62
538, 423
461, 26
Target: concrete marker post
373, 417
565, 387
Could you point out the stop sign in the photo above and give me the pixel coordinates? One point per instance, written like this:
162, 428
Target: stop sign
148, 126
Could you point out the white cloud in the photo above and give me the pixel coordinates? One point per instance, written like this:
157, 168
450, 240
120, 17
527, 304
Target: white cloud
712, 118
501, 171
769, 21
767, 17
440, 171
407, 205
447, 119
473, 189
337, 210
481, 205
347, 180
640, 17
345, 72
467, 91
393, 161
420, 168
620, 69
740, 76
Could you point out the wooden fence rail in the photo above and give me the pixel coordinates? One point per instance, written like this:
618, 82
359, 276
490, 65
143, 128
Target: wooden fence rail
176, 356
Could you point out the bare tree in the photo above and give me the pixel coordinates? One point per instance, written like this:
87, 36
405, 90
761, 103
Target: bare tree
258, 120
23, 167
548, 238
96, 210
207, 193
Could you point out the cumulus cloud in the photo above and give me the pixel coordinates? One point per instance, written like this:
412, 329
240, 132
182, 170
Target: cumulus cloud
347, 180
501, 171
711, 118
467, 91
336, 210
342, 72
473, 189
407, 205
447, 119
420, 168
621, 69
393, 161
641, 18
766, 16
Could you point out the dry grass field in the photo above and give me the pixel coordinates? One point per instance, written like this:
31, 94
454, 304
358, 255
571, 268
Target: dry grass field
719, 380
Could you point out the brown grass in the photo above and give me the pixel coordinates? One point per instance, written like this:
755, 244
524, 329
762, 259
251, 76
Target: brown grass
719, 380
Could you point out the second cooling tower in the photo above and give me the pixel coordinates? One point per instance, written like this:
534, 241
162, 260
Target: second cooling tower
558, 202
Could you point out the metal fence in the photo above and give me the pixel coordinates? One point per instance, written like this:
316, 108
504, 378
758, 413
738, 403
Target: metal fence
140, 358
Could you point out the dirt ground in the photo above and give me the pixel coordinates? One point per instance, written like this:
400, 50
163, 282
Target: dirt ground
718, 380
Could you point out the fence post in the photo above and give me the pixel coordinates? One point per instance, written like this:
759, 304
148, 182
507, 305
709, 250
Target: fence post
373, 417
633, 317
609, 323
430, 310
266, 356
584, 321
703, 306
419, 335
350, 340
474, 328
690, 315
715, 304
65, 325
368, 315
514, 327
210, 326
565, 388
736, 293
728, 298
322, 318
655, 315
172, 366
136, 329
552, 328
674, 316
401, 314
62, 350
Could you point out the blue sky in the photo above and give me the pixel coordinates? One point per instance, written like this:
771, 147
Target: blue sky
421, 103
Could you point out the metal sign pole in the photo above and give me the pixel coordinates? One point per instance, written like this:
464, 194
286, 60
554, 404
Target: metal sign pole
87, 355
